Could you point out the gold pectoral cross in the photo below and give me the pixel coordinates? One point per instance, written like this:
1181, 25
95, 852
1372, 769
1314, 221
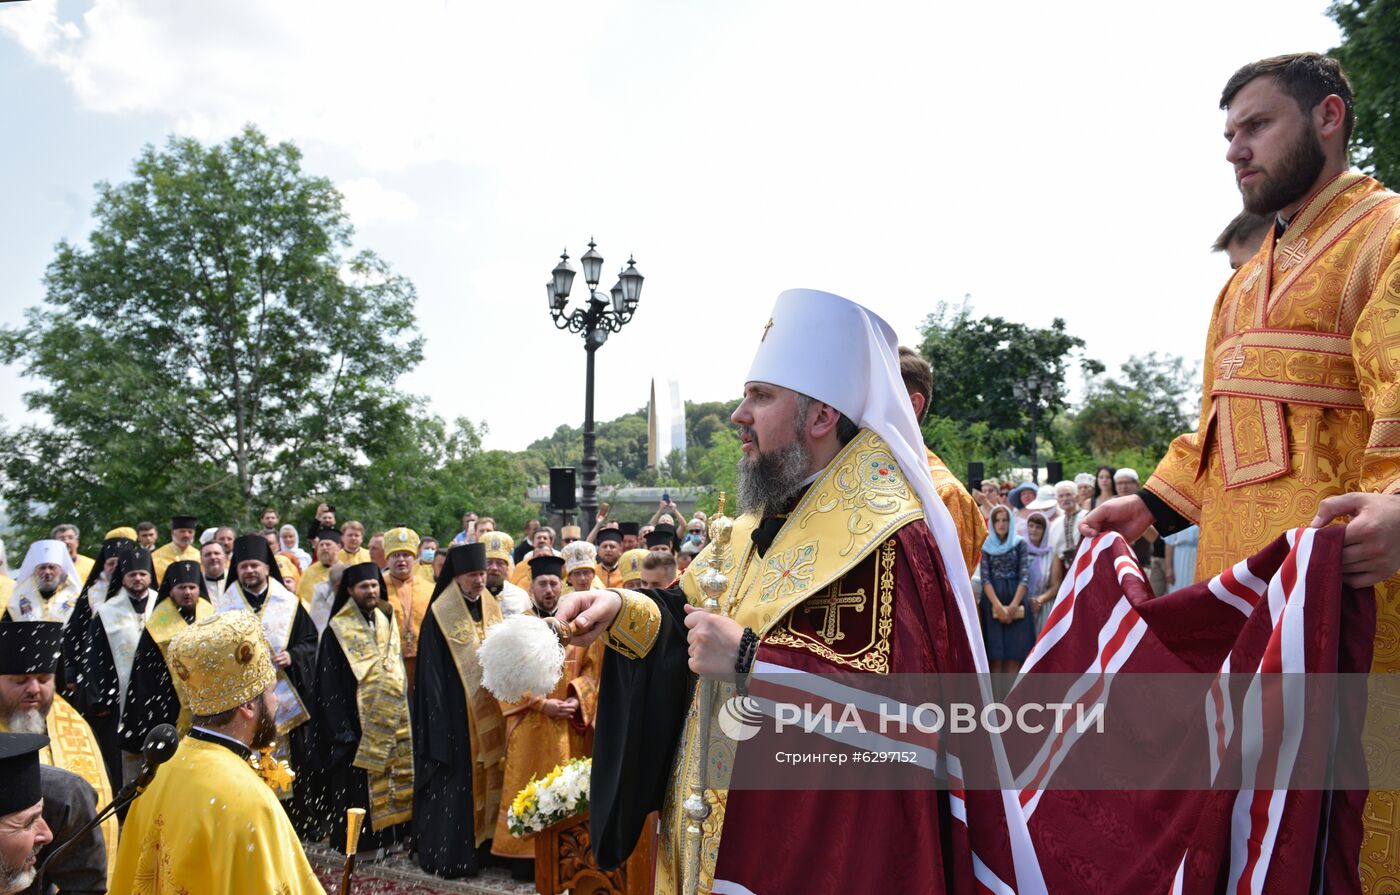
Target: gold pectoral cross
832, 603
767, 326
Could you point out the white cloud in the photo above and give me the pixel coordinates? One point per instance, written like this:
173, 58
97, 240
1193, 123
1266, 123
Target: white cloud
369, 202
1050, 160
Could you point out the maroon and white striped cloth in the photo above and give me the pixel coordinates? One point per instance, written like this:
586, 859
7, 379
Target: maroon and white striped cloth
1250, 630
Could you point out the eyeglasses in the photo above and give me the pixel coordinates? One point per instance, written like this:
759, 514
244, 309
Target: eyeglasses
570, 540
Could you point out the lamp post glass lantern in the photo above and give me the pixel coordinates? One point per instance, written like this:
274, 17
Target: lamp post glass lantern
596, 317
1035, 392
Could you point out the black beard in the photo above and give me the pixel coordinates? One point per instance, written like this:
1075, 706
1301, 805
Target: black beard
265, 734
1294, 175
768, 481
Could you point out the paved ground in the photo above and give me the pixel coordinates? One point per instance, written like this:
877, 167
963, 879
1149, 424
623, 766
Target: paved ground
397, 875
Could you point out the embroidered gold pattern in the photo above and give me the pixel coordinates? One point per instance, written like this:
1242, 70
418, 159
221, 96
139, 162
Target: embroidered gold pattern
789, 572
638, 624
871, 482
872, 654
1292, 255
830, 605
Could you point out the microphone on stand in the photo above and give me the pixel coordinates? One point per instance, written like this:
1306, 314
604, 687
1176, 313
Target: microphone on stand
158, 748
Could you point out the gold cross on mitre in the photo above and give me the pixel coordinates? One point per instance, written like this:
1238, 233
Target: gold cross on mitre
1293, 254
767, 326
833, 603
1230, 364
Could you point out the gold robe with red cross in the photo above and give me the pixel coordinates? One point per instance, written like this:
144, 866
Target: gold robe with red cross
1301, 402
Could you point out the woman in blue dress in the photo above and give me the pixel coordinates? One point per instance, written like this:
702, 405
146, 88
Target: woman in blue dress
1007, 627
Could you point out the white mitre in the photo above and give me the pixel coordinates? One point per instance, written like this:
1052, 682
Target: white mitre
52, 551
834, 350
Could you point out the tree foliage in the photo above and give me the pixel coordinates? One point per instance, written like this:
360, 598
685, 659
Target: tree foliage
213, 347
1370, 53
980, 363
425, 476
1144, 409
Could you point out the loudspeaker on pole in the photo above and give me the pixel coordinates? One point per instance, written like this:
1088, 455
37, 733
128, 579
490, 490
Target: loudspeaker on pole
561, 488
975, 472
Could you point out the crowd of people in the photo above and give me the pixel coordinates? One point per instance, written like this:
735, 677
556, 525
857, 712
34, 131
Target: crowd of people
307, 682
368, 635
1033, 534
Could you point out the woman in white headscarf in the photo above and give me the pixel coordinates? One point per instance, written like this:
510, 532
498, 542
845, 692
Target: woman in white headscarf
290, 543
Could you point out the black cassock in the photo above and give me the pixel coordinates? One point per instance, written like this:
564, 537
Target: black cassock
98, 694
444, 829
305, 809
642, 705
338, 739
150, 694
75, 640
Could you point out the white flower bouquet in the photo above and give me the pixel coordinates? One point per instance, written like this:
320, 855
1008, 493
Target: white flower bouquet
562, 794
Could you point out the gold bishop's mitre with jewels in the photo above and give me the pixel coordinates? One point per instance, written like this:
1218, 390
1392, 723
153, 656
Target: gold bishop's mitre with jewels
499, 545
222, 662
401, 540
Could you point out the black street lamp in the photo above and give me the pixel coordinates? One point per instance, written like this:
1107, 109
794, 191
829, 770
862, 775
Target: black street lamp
602, 315
1035, 390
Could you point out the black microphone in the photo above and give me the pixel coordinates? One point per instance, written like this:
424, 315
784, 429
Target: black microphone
158, 748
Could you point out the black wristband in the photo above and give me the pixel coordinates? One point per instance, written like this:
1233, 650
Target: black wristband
748, 649
1165, 519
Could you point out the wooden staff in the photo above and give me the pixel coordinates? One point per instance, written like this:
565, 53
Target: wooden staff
354, 821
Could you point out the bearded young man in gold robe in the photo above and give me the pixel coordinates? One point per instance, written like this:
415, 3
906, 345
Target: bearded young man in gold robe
610, 557
324, 547
1300, 416
408, 592
29, 656
181, 546
543, 732
209, 822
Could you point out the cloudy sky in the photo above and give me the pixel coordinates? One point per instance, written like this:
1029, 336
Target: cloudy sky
1047, 159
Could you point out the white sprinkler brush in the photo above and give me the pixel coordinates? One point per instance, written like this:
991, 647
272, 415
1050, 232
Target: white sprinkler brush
523, 655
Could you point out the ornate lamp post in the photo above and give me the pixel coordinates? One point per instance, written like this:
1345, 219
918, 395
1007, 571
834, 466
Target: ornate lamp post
1035, 391
603, 314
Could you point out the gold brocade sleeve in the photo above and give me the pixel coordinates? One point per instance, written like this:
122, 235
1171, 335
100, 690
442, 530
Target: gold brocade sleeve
638, 624
1177, 478
967, 519
1375, 346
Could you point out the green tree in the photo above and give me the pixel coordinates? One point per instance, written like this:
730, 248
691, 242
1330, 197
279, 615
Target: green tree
719, 469
215, 345
979, 363
1142, 411
1370, 53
